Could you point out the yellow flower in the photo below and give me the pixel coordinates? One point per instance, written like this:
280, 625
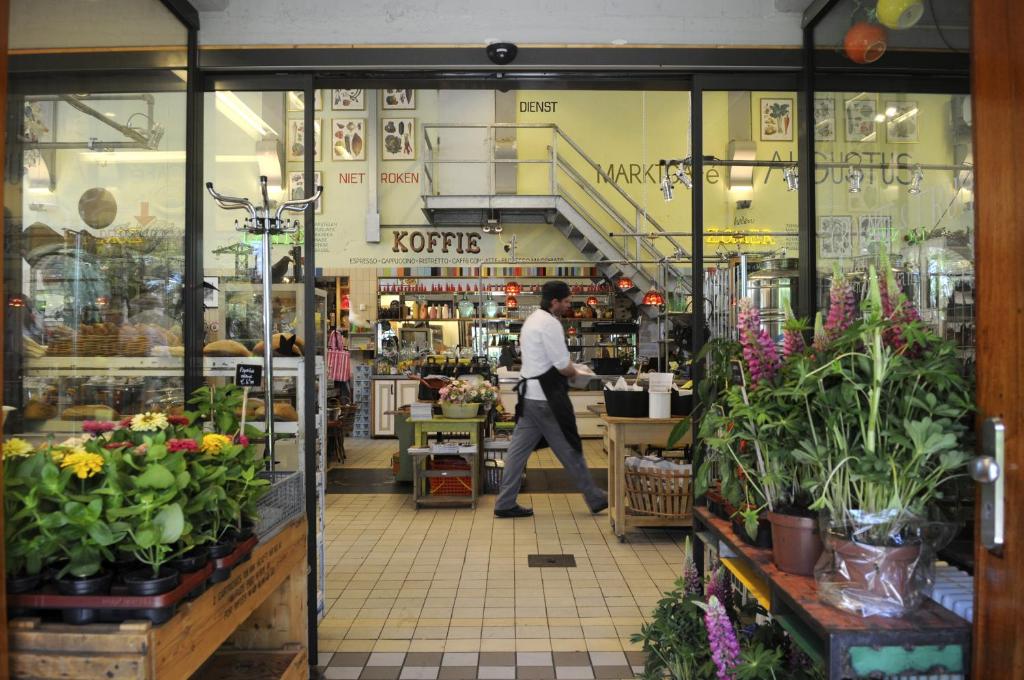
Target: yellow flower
16, 447
83, 463
149, 422
214, 443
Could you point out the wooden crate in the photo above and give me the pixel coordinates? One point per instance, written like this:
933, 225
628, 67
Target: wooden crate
262, 606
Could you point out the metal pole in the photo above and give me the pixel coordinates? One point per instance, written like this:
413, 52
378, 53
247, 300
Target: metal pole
268, 349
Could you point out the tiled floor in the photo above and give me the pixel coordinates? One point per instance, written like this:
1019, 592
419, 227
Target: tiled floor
376, 453
447, 593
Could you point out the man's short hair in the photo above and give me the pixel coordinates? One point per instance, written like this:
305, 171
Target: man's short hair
553, 290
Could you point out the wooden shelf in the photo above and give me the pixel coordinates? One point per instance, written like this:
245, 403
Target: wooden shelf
849, 646
261, 606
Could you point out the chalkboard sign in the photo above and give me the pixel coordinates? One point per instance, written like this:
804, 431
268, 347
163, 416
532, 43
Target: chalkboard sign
248, 375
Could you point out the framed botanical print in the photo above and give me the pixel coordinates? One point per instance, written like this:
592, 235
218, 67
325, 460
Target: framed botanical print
348, 100
297, 188
777, 120
348, 139
398, 99
901, 122
398, 139
297, 100
835, 236
860, 119
875, 233
824, 120
297, 139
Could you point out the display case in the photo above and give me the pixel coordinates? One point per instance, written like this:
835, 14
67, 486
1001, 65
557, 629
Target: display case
239, 316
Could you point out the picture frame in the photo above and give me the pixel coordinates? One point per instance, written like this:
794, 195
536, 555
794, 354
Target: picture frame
348, 139
297, 138
901, 126
778, 118
874, 233
296, 100
348, 100
824, 119
398, 99
297, 187
397, 139
835, 236
861, 125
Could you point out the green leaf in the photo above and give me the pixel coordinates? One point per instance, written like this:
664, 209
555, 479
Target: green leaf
147, 536
171, 522
101, 533
156, 476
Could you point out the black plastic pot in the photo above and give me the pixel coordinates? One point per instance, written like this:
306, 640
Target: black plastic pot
98, 584
217, 551
24, 583
764, 532
195, 560
143, 583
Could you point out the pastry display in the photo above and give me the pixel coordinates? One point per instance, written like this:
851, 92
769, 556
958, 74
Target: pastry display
39, 410
282, 411
251, 407
284, 345
90, 412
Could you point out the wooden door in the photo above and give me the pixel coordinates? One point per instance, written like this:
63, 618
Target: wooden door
998, 101
408, 390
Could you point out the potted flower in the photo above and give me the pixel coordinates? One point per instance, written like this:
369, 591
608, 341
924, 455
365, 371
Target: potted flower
30, 535
462, 398
885, 405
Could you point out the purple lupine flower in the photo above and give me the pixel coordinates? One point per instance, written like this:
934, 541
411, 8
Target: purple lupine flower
896, 308
792, 340
725, 648
691, 577
842, 306
758, 349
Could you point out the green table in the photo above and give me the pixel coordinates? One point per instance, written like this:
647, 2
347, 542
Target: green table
421, 475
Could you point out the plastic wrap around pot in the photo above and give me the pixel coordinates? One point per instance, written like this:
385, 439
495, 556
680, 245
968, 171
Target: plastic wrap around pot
879, 564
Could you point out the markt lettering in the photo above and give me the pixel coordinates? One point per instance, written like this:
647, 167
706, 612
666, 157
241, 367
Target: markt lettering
435, 241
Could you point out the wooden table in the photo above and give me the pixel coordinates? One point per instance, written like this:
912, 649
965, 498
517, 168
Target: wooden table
420, 475
620, 433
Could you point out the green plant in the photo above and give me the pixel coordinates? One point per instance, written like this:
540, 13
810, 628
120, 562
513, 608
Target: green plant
884, 406
30, 525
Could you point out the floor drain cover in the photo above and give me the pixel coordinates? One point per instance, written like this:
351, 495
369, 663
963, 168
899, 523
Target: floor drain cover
552, 560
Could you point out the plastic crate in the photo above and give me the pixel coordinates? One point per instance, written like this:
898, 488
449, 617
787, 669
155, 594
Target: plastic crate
456, 485
284, 502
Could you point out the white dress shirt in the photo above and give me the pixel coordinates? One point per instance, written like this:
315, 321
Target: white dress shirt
542, 345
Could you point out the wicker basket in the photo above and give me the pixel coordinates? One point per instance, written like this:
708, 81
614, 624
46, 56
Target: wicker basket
660, 493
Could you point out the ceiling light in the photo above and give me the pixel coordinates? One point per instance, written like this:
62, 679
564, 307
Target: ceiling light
666, 188
239, 113
653, 297
792, 178
593, 301
915, 182
624, 284
512, 289
880, 118
511, 302
683, 177
855, 178
890, 112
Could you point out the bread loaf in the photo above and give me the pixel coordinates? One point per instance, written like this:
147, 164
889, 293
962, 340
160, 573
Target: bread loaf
225, 348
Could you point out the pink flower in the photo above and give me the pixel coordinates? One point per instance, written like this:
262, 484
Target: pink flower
96, 427
241, 439
758, 349
725, 648
182, 445
177, 420
116, 445
125, 422
842, 309
691, 577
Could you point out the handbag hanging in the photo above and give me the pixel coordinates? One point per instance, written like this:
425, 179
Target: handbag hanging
339, 362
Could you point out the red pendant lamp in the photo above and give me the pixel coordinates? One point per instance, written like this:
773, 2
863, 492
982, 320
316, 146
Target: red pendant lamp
593, 301
511, 302
572, 330
512, 289
653, 297
625, 283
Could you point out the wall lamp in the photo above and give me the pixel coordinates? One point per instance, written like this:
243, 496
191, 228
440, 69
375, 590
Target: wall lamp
915, 182
792, 178
855, 178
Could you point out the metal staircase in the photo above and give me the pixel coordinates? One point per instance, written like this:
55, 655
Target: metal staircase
591, 219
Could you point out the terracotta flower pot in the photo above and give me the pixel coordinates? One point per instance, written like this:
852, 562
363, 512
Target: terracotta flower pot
796, 543
865, 43
880, 572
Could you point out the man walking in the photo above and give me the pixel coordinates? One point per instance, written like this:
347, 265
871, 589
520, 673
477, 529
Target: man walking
544, 414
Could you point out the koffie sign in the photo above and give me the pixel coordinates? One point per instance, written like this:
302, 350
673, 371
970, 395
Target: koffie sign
435, 242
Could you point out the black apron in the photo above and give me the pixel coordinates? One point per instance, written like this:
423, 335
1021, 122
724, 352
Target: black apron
556, 389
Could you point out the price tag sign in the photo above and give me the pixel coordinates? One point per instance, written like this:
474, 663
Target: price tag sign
248, 375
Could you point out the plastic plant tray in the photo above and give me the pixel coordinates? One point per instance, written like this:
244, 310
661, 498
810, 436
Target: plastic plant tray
118, 599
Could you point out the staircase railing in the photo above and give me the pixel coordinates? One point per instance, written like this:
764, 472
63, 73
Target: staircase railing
564, 179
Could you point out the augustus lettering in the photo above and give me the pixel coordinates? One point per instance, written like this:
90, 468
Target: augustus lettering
435, 241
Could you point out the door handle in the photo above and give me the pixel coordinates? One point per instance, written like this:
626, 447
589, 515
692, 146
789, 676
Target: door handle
987, 470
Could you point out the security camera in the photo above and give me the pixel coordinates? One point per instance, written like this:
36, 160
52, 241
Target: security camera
502, 53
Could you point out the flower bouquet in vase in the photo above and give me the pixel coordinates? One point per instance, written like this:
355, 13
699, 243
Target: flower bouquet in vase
462, 398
